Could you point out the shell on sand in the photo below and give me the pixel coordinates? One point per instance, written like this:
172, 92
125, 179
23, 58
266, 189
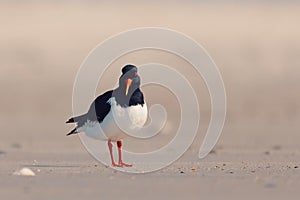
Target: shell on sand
24, 172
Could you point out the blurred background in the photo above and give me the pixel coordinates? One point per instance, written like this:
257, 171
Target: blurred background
255, 45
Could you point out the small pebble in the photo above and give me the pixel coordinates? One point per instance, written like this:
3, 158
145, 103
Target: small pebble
269, 185
213, 151
16, 146
2, 152
181, 172
296, 167
276, 147
24, 172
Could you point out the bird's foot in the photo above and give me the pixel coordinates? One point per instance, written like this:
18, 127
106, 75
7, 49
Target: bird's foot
121, 164
124, 164
115, 165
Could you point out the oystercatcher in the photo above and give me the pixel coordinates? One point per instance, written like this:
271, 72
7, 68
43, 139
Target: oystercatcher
125, 103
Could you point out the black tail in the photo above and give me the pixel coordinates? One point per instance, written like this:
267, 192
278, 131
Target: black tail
74, 131
79, 120
71, 120
76, 119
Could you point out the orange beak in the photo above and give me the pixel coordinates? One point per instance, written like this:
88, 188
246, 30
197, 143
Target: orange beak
128, 83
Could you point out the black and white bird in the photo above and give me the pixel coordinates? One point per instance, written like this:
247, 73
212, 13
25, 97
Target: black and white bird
123, 104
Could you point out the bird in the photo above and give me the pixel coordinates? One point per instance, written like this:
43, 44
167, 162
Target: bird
125, 104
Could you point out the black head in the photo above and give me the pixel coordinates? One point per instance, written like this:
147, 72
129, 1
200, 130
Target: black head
128, 93
128, 68
129, 80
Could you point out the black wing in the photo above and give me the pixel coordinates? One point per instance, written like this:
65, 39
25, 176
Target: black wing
100, 107
98, 110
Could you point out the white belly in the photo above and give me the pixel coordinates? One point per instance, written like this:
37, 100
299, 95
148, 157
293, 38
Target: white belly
118, 119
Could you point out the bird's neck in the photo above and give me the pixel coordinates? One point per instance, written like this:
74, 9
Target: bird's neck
134, 97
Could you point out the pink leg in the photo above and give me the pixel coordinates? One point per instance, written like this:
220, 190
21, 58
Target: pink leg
121, 163
111, 153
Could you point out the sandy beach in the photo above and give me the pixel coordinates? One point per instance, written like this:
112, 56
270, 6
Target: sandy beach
256, 47
229, 174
